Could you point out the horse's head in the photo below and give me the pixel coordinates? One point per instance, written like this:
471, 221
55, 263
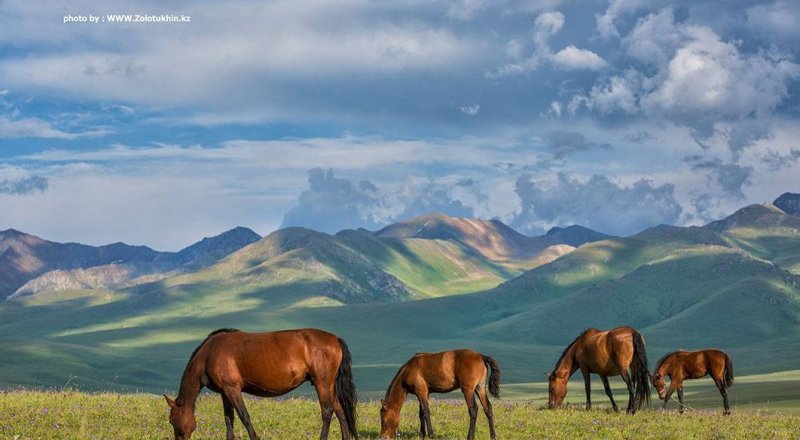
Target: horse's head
557, 390
181, 417
658, 381
390, 420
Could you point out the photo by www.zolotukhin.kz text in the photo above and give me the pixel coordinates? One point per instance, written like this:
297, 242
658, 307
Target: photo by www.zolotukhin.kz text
126, 18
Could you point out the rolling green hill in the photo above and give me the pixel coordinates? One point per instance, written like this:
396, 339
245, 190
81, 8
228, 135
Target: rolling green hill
766, 232
683, 287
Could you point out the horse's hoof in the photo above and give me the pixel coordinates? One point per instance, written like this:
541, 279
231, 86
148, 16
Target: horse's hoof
726, 413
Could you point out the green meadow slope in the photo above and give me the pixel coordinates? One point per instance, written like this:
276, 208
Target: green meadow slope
71, 415
682, 287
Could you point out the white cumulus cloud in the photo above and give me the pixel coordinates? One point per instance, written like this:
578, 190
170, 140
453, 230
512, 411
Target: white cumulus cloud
570, 57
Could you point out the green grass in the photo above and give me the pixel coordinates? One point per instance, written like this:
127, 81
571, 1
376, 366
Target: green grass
430, 268
73, 415
779, 245
774, 392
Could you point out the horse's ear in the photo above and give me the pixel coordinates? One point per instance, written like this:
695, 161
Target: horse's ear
170, 402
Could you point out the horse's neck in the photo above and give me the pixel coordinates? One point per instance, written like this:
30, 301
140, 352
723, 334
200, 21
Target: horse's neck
397, 393
567, 366
190, 383
665, 368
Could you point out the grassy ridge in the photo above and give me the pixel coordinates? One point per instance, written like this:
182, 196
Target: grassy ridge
71, 415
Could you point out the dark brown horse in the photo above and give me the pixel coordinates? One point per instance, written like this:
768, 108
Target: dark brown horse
619, 351
442, 372
230, 362
680, 365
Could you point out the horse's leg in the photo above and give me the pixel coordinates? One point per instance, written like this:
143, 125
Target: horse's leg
234, 395
680, 400
421, 391
422, 431
608, 393
487, 409
339, 411
228, 409
325, 397
472, 407
626, 377
587, 380
724, 392
672, 387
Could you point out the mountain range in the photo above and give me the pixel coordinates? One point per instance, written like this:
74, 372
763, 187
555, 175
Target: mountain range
29, 264
428, 283
474, 254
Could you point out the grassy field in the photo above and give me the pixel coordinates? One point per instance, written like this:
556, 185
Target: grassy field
73, 415
773, 392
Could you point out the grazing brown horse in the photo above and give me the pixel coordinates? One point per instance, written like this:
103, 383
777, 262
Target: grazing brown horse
680, 365
442, 372
230, 362
619, 351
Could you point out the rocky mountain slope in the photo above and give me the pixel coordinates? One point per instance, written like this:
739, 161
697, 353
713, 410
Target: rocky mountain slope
29, 264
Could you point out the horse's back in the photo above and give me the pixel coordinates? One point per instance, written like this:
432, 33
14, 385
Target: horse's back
271, 363
604, 351
446, 370
695, 364
714, 360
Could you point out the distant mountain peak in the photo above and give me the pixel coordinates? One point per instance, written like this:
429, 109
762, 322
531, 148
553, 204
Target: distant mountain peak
756, 216
574, 235
788, 203
571, 228
211, 249
491, 238
25, 257
238, 232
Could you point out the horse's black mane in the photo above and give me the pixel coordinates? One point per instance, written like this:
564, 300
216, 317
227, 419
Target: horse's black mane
664, 358
564, 353
221, 330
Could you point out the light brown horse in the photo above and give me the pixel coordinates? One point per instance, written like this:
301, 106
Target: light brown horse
442, 372
619, 351
230, 362
680, 365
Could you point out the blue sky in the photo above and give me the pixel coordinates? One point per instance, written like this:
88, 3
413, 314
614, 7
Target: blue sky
615, 114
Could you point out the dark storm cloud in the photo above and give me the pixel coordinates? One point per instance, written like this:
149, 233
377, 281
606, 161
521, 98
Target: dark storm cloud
731, 177
597, 203
564, 143
331, 204
24, 186
776, 161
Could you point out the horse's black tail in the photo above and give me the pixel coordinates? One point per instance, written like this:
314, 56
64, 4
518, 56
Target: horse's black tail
728, 371
494, 375
346, 390
640, 374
